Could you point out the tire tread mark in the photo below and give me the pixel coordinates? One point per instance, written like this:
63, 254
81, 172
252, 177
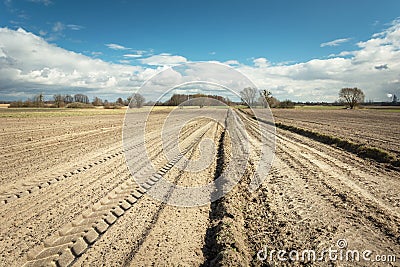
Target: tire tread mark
77, 237
68, 174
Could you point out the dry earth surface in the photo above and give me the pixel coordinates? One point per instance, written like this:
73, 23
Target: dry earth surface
377, 128
67, 197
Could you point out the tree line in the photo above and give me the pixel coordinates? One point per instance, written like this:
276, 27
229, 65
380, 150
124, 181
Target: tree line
350, 97
78, 101
200, 100
251, 97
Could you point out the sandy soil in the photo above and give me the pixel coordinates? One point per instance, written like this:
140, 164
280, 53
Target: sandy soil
68, 198
316, 195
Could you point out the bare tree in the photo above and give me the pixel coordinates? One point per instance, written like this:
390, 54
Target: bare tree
248, 95
81, 98
97, 101
351, 96
59, 100
120, 101
68, 99
137, 101
394, 101
38, 100
269, 99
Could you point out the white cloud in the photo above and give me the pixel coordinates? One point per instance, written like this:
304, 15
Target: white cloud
29, 64
123, 61
232, 62
132, 55
2, 54
136, 54
116, 47
373, 67
261, 62
163, 59
336, 42
58, 27
75, 27
95, 53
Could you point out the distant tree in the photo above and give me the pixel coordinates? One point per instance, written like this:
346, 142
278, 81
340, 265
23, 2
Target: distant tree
137, 101
81, 98
229, 102
68, 99
97, 101
59, 101
177, 99
351, 96
286, 104
394, 101
38, 100
248, 96
120, 101
269, 99
150, 103
28, 103
17, 104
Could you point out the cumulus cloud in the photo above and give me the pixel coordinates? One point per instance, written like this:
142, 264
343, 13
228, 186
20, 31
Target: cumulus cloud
29, 64
321, 79
163, 59
116, 47
261, 62
335, 42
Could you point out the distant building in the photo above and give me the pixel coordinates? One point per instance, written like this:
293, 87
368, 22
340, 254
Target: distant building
394, 101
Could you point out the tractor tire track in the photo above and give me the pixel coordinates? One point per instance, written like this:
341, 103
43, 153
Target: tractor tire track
313, 197
76, 238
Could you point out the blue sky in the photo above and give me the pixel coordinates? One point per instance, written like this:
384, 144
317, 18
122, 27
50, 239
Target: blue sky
256, 37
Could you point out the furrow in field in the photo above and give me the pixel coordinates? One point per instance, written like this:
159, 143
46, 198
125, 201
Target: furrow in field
27, 187
75, 238
176, 233
312, 198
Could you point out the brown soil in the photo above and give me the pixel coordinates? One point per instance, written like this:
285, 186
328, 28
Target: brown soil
374, 128
67, 196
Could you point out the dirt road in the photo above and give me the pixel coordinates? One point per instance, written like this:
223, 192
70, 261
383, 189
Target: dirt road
68, 198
